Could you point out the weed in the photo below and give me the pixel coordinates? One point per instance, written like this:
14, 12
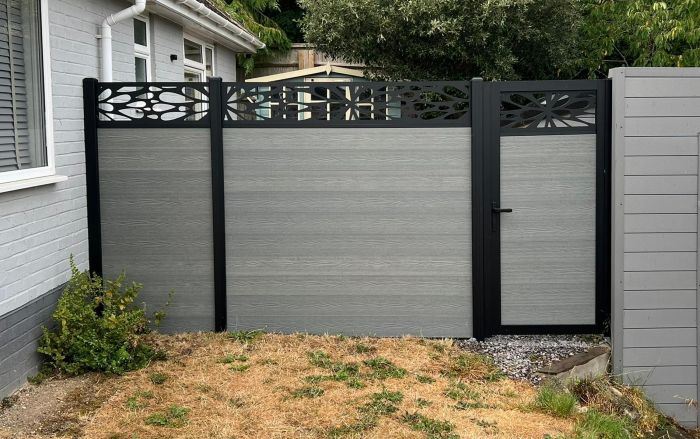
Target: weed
174, 417
239, 367
320, 359
596, 425
308, 392
470, 405
459, 390
382, 403
383, 368
268, 362
355, 383
37, 379
345, 372
133, 403
230, 358
423, 403
424, 379
361, 348
432, 428
554, 401
158, 378
245, 337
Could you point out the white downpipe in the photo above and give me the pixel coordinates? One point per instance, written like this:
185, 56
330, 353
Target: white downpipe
204, 11
106, 41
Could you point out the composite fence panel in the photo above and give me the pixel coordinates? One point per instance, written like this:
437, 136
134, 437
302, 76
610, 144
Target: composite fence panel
352, 230
655, 225
548, 245
156, 208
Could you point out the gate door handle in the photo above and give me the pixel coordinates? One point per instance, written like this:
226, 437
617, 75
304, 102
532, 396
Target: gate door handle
496, 209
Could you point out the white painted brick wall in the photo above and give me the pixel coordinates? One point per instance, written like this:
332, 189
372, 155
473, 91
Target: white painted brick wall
41, 227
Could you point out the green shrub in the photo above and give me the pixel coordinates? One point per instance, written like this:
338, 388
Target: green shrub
98, 327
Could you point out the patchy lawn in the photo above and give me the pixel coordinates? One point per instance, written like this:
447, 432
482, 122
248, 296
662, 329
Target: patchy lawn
255, 385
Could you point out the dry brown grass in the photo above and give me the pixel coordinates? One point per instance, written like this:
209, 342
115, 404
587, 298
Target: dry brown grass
260, 402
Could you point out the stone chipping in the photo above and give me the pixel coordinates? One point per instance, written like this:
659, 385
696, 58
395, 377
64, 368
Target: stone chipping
520, 356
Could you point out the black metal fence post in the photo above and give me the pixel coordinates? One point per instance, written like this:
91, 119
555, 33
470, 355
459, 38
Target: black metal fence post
216, 119
476, 110
92, 175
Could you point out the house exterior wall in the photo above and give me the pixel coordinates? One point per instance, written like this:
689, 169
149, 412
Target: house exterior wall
655, 234
42, 226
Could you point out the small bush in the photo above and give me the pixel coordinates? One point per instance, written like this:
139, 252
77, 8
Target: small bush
99, 327
555, 402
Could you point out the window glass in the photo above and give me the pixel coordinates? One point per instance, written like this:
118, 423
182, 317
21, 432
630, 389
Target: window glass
193, 51
22, 125
209, 66
140, 34
140, 65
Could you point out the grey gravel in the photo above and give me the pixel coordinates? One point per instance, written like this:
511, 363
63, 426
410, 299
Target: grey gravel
520, 356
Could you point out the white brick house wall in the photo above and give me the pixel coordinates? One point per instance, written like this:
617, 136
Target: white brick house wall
41, 227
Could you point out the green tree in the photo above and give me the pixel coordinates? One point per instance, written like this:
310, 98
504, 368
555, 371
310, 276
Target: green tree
255, 16
450, 39
640, 33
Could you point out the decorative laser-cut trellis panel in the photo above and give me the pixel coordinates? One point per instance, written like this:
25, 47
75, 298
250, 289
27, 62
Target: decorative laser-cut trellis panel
336, 103
548, 111
153, 103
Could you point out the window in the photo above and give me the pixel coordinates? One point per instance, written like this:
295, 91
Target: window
26, 147
142, 50
199, 60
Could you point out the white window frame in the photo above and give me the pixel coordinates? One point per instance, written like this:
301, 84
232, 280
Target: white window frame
144, 52
24, 178
194, 66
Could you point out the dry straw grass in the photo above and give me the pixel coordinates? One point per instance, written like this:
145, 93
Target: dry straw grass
273, 397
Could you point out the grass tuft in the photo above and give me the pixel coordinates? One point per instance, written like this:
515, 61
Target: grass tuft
382, 403
174, 417
459, 391
432, 428
472, 366
158, 378
231, 358
308, 392
596, 425
555, 402
383, 368
424, 379
361, 348
246, 337
239, 367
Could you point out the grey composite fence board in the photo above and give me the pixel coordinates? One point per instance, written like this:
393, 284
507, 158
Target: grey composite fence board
648, 242
663, 299
662, 87
660, 165
661, 203
548, 241
360, 231
672, 394
656, 280
662, 106
661, 185
658, 356
659, 318
660, 223
660, 375
684, 413
655, 337
661, 146
660, 261
662, 126
156, 211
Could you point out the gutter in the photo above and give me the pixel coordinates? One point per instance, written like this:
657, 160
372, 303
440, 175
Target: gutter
106, 37
206, 12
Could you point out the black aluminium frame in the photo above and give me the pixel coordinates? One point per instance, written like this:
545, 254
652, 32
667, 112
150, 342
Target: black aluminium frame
486, 134
484, 118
